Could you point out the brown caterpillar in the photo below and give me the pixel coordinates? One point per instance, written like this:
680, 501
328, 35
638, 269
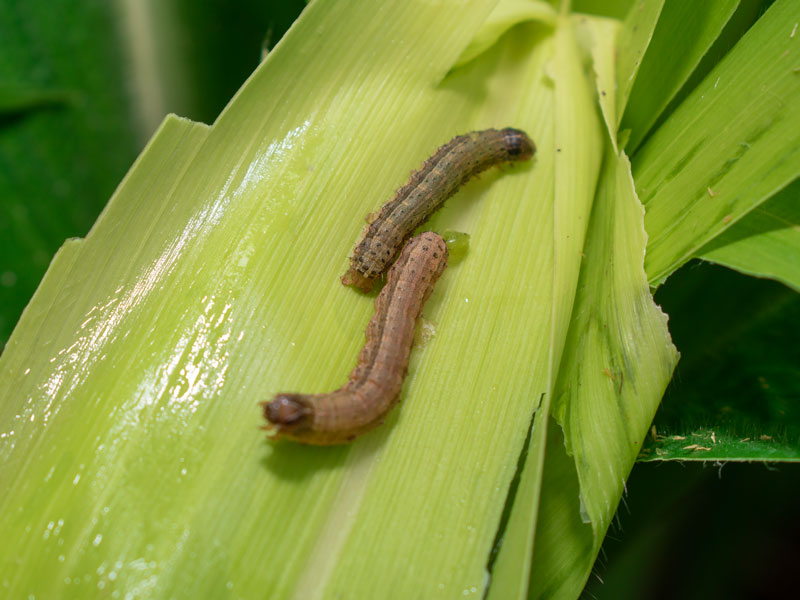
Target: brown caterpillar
374, 385
439, 177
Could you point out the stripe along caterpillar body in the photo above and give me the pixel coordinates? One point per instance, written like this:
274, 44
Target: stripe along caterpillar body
435, 181
374, 385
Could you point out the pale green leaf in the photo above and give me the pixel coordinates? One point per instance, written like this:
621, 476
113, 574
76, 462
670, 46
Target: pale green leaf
599, 37
505, 15
211, 282
564, 543
510, 563
610, 383
635, 36
616, 335
621, 355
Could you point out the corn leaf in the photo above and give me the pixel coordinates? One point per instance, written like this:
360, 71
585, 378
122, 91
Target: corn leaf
211, 282
683, 35
732, 144
609, 385
766, 242
635, 36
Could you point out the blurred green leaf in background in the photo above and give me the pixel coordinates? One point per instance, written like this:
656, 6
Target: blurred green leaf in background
132, 463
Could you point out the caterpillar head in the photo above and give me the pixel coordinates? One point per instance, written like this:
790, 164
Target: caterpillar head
518, 145
288, 415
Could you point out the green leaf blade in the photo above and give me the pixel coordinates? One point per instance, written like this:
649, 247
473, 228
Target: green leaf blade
766, 243
731, 145
635, 37
165, 344
684, 33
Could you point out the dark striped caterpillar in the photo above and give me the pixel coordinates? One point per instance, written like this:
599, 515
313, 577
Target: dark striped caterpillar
374, 385
439, 177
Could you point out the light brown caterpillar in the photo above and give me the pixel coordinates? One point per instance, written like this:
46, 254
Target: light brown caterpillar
374, 385
435, 181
